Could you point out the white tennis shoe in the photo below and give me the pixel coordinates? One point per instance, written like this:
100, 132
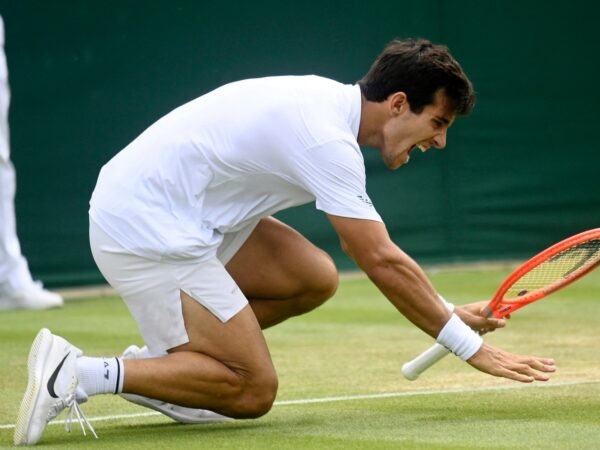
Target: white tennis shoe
51, 387
33, 296
175, 412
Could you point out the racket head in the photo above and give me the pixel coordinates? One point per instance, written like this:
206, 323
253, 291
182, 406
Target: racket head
547, 272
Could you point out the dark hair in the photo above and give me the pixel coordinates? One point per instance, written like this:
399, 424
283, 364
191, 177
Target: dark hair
419, 69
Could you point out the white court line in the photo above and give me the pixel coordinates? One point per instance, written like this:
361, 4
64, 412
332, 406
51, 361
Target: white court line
347, 398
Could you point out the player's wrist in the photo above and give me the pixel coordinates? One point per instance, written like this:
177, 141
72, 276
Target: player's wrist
459, 338
449, 306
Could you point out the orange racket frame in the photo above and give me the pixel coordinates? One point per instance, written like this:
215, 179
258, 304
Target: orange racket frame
501, 307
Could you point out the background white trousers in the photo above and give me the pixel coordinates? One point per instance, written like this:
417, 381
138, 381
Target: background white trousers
14, 271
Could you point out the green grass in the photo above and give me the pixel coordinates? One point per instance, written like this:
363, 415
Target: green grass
340, 384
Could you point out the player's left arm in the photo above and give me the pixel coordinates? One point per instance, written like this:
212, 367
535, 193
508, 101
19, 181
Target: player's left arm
396, 274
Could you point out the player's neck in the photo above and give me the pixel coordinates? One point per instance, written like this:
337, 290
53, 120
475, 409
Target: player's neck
372, 119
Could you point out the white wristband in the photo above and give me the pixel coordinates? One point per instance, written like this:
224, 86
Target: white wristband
457, 337
448, 305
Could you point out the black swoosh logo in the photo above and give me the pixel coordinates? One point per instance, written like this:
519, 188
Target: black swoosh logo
52, 378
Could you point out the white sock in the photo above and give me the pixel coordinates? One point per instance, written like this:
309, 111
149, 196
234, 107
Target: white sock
100, 375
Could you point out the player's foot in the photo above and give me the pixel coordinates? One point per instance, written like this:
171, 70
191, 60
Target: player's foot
31, 297
175, 412
51, 387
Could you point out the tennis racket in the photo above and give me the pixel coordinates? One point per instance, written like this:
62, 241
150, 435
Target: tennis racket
547, 272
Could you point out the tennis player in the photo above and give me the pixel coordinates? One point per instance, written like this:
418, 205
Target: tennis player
181, 226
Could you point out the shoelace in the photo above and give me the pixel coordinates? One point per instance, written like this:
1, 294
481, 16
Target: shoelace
72, 404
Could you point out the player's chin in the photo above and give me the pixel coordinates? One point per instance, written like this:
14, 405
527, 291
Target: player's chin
398, 162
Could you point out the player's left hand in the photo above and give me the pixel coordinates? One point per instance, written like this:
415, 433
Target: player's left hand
471, 314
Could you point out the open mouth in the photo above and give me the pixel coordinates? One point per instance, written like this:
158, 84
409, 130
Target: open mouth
419, 146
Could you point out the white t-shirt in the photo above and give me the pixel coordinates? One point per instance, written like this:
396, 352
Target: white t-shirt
228, 158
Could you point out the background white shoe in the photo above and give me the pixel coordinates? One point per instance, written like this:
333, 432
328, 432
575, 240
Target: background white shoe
178, 413
31, 297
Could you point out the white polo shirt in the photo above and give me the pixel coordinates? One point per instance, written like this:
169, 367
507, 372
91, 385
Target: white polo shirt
228, 158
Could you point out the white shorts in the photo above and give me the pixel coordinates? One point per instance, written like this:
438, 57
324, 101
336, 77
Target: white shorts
151, 289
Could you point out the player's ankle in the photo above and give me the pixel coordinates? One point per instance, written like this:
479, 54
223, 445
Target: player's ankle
100, 375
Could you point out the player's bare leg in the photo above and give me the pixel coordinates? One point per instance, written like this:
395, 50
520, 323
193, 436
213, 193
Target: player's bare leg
282, 273
225, 367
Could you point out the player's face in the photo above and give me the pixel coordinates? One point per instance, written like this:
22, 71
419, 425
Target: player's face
406, 131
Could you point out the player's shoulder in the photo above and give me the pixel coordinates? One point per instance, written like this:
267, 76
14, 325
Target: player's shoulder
293, 82
317, 83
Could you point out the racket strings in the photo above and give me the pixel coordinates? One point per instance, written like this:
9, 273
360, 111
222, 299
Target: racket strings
565, 266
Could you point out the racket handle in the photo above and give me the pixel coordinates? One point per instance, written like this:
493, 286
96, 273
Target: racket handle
412, 369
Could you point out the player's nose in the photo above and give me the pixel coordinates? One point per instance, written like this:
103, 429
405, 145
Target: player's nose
439, 141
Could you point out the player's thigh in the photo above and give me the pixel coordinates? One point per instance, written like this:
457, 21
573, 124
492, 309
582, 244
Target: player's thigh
276, 261
238, 343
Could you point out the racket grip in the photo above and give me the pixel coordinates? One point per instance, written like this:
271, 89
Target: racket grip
412, 369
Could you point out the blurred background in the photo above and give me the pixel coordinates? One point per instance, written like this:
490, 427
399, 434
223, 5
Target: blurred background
517, 175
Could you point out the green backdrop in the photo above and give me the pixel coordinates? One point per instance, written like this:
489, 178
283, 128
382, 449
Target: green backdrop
518, 174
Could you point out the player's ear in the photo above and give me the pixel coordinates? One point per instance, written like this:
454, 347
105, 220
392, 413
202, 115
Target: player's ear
398, 103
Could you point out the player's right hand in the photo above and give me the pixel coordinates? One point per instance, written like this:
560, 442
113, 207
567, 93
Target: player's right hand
497, 362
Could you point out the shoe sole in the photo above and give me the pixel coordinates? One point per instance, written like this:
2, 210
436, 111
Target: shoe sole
40, 346
180, 414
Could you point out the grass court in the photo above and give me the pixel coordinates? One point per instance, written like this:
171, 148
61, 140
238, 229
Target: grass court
340, 380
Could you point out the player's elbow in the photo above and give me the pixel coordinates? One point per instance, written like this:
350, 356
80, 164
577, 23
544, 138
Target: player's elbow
364, 258
375, 260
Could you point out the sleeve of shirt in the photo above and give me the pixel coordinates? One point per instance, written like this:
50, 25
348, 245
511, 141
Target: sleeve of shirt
334, 173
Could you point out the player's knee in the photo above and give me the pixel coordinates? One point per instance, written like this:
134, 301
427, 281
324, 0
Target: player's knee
318, 287
326, 280
259, 403
257, 399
